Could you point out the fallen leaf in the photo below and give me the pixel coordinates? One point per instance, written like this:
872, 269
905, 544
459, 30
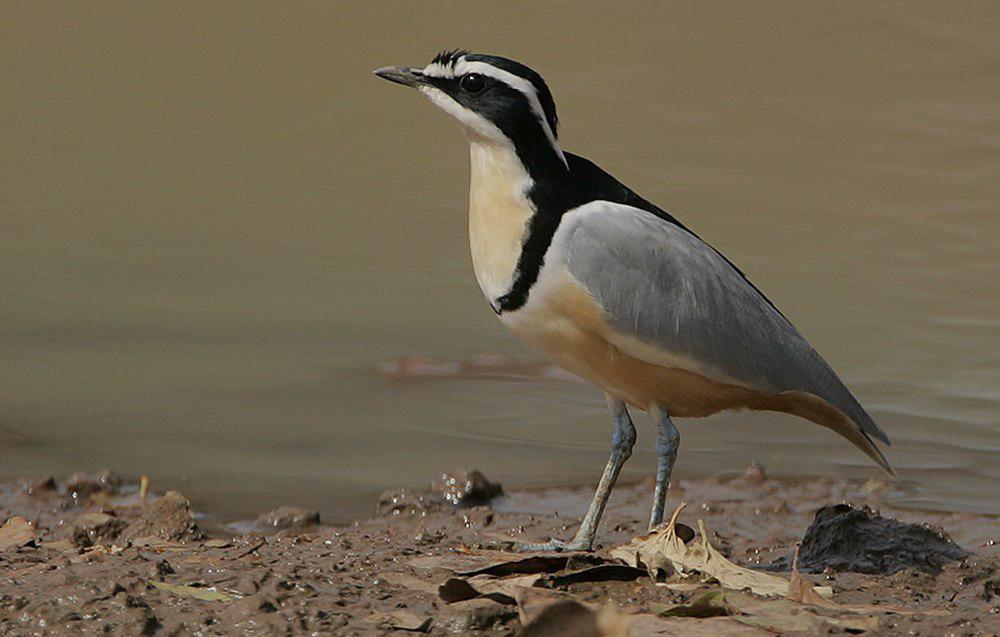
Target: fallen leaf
456, 589
805, 623
600, 573
192, 592
501, 563
538, 563
16, 532
784, 615
663, 552
775, 614
679, 587
710, 604
501, 590
217, 543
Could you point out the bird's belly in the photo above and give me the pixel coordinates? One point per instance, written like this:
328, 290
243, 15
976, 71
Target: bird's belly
562, 321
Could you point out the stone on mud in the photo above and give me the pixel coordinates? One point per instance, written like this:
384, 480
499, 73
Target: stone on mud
169, 518
846, 539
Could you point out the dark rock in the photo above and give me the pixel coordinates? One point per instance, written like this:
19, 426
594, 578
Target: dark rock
293, 518
843, 538
169, 518
42, 485
96, 528
465, 488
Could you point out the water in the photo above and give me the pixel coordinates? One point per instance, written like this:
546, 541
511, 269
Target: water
216, 225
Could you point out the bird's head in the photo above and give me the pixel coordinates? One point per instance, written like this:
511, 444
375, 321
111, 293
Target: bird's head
494, 99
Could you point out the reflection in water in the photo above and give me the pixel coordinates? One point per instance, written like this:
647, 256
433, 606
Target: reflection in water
216, 225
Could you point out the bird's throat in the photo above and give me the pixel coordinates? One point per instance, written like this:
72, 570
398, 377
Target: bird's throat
499, 213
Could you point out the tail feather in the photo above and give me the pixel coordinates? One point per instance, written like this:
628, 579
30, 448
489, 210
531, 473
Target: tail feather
821, 412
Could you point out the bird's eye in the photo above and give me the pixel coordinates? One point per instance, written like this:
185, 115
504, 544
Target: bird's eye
472, 82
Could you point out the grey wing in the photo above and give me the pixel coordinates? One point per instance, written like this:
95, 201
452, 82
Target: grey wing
662, 285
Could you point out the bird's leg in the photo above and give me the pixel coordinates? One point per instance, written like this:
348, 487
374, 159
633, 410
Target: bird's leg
622, 443
667, 441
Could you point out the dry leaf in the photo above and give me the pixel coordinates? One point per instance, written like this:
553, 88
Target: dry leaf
192, 592
217, 543
710, 604
784, 615
600, 573
501, 590
773, 614
537, 563
679, 587
662, 551
15, 533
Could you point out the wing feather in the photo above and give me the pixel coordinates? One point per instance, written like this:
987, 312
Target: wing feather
662, 286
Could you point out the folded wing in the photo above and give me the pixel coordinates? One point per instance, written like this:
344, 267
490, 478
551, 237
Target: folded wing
671, 293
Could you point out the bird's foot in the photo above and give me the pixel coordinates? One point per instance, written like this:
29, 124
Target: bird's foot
558, 545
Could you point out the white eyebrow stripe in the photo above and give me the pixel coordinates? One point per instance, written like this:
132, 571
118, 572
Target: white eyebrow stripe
518, 84
523, 86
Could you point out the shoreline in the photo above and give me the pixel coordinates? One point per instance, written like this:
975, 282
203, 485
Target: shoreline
107, 560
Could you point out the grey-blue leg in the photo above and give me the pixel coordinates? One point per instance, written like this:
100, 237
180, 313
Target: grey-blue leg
622, 442
667, 441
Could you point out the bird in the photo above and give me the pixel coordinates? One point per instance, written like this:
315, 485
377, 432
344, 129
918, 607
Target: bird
613, 288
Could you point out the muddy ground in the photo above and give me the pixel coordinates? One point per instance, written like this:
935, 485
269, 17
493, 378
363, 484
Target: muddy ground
90, 554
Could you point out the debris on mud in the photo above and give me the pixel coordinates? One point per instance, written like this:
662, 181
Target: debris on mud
16, 532
845, 539
115, 562
95, 528
664, 554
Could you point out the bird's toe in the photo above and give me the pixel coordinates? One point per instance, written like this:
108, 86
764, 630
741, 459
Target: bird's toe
556, 545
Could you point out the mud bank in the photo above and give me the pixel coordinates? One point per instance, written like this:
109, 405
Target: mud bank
95, 554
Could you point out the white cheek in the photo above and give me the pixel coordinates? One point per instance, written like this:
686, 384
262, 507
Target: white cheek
474, 124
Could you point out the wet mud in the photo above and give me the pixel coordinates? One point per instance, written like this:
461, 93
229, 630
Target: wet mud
93, 554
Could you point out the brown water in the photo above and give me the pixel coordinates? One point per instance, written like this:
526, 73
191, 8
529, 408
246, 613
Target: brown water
215, 225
